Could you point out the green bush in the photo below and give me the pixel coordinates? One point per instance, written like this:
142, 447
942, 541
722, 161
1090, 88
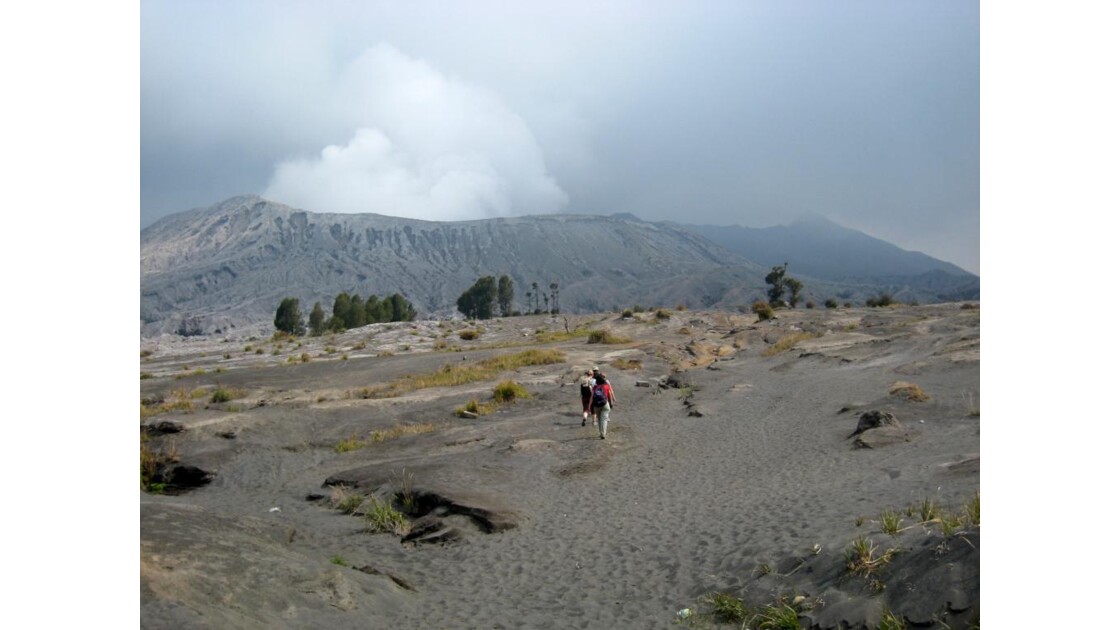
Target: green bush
508, 391
830, 303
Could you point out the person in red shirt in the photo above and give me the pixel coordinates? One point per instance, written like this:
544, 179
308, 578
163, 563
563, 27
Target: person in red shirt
602, 399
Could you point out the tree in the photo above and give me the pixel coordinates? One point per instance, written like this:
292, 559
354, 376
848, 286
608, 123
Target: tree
289, 319
375, 310
341, 306
317, 320
401, 309
776, 280
555, 288
794, 285
478, 301
537, 295
356, 314
505, 295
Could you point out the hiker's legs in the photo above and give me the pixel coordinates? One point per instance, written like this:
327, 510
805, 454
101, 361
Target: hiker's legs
604, 418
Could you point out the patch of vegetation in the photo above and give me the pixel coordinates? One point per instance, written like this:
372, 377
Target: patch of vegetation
221, 395
763, 310
891, 522
180, 400
509, 391
908, 391
862, 559
627, 364
727, 608
340, 561
145, 375
145, 354
378, 436
883, 299
626, 314
150, 464
469, 334
458, 374
787, 342
605, 336
972, 509
382, 517
830, 303
928, 509
890, 621
664, 314
780, 616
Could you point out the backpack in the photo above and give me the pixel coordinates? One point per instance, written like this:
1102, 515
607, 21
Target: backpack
585, 388
599, 396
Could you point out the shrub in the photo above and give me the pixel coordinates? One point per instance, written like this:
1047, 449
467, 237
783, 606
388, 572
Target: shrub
763, 310
883, 299
627, 314
145, 375
508, 391
339, 560
778, 617
469, 334
862, 559
305, 357
222, 395
604, 336
662, 314
830, 303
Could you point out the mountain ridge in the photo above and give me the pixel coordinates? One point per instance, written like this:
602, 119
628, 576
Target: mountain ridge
229, 264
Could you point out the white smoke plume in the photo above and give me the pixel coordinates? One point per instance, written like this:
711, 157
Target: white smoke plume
424, 146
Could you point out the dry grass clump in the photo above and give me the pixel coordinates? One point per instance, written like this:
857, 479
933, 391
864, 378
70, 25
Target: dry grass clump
382, 517
469, 334
353, 443
763, 310
627, 364
787, 342
605, 336
909, 391
151, 462
727, 608
180, 400
504, 393
458, 374
509, 391
663, 314
222, 394
549, 336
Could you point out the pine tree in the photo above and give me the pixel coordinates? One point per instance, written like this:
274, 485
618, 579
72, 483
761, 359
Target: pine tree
317, 320
289, 319
505, 295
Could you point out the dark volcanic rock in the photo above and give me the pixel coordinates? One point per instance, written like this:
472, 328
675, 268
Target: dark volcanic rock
874, 419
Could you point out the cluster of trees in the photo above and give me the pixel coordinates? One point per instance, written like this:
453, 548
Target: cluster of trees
779, 284
488, 294
349, 311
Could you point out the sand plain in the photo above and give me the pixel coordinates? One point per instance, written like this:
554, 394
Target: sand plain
732, 472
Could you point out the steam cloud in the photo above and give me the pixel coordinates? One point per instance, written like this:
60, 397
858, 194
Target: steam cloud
424, 146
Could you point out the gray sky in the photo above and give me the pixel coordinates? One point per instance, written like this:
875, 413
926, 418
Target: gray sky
748, 113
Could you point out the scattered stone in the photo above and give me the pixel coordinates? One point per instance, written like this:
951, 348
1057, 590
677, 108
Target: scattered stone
399, 581
882, 436
696, 412
642, 384
468, 414
229, 435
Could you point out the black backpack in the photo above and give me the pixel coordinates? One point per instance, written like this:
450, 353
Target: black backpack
599, 396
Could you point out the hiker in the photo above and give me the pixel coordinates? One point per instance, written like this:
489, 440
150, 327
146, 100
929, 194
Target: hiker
585, 385
602, 399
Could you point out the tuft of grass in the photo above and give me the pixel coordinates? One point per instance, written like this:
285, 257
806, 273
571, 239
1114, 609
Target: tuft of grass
509, 391
350, 504
382, 517
627, 364
662, 314
972, 509
469, 334
950, 523
973, 408
764, 569
145, 375
145, 354
859, 521
909, 391
891, 522
779, 616
340, 561
787, 342
862, 559
727, 608
605, 336
929, 510
890, 621
351, 443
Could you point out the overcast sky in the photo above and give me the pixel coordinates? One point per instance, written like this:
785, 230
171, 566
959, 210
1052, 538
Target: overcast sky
748, 113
